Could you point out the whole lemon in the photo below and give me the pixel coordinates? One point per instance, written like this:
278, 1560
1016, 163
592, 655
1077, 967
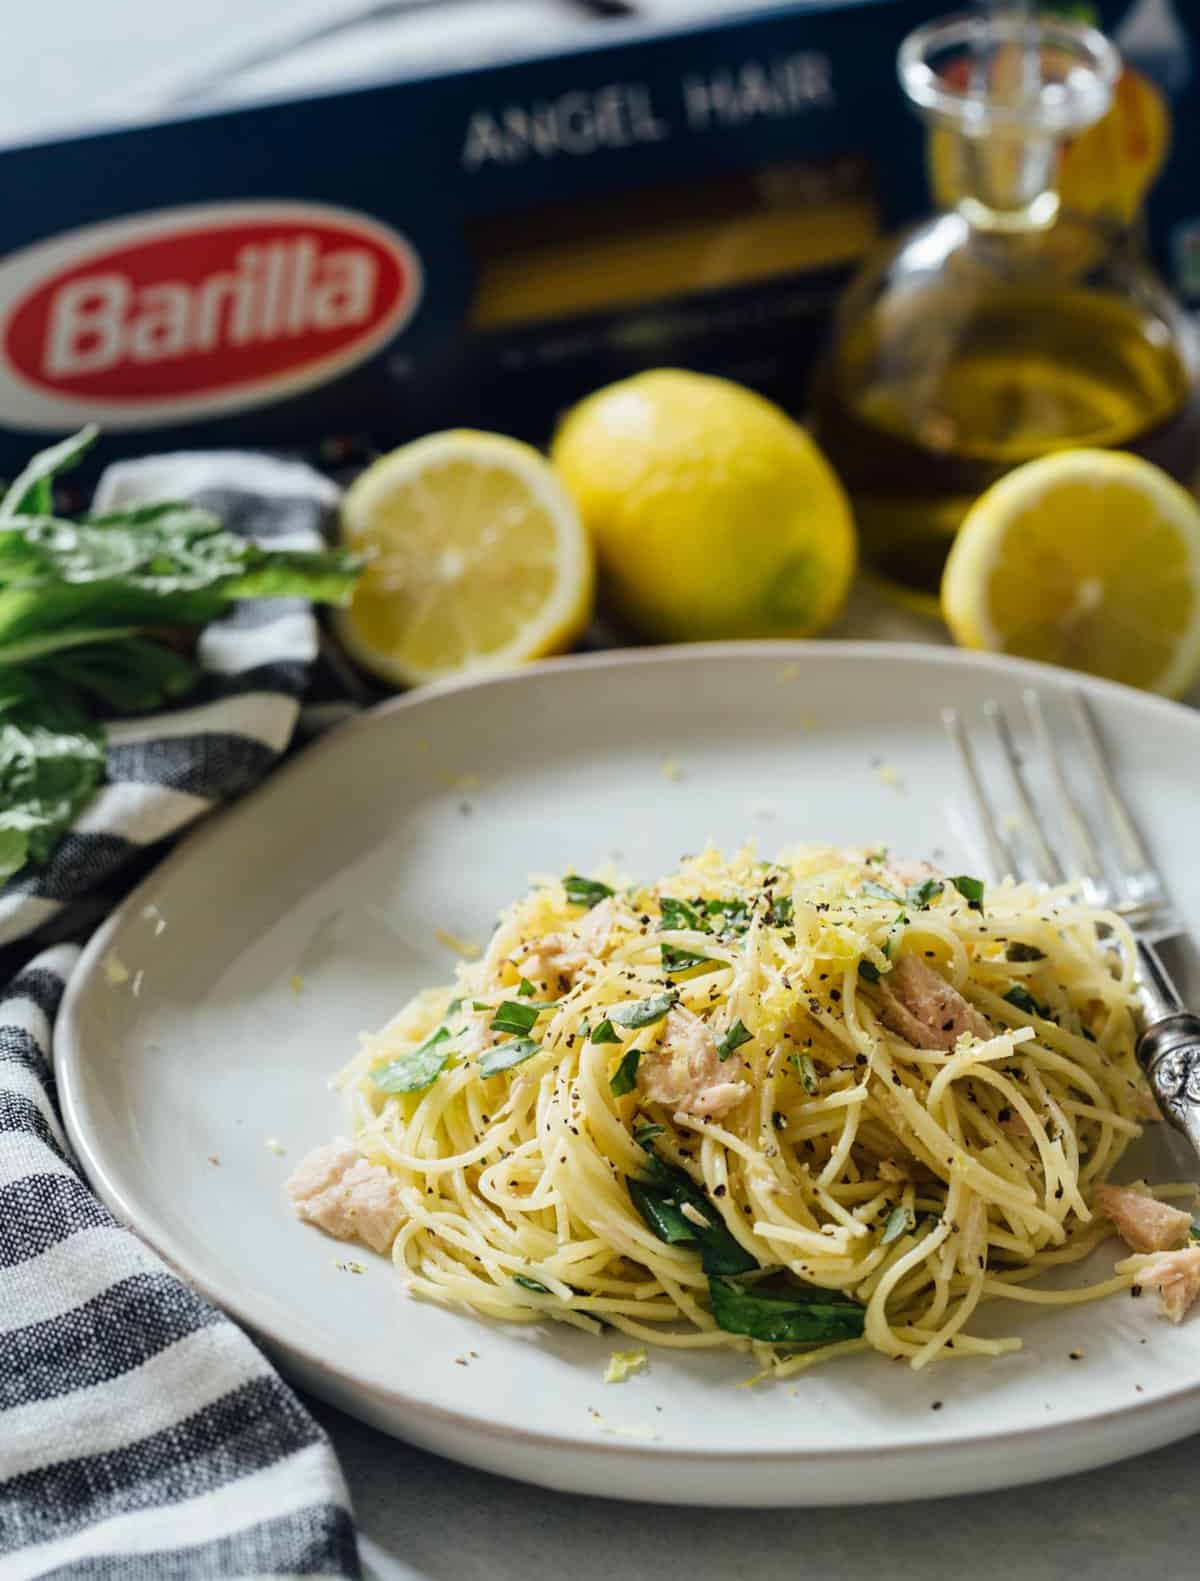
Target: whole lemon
712, 512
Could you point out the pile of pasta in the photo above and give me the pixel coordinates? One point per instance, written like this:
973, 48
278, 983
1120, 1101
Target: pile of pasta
805, 1107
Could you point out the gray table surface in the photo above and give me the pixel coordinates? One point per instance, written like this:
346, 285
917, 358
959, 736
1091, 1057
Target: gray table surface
423, 1517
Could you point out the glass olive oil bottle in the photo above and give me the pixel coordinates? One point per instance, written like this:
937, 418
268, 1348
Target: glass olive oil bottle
1005, 328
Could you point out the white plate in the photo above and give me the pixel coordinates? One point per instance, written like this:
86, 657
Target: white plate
339, 871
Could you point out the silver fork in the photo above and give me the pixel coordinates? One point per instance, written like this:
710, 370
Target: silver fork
1128, 882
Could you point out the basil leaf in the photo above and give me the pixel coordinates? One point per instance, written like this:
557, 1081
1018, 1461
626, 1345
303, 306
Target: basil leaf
503, 1056
798, 1315
130, 675
662, 1215
418, 1070
733, 1039
587, 892
604, 1033
900, 1222
675, 961
644, 1012
51, 762
971, 890
807, 1072
660, 1202
1017, 951
868, 971
870, 887
921, 896
734, 914
527, 1283
515, 1017
681, 914
1193, 1233
1021, 999
644, 1134
782, 913
625, 1077
525, 989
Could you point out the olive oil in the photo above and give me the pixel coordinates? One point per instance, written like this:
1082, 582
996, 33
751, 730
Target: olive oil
1007, 327
939, 391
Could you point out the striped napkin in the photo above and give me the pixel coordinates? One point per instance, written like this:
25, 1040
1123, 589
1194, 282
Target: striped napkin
142, 1434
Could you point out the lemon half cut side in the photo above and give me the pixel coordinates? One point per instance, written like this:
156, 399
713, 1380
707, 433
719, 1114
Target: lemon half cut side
476, 560
1085, 558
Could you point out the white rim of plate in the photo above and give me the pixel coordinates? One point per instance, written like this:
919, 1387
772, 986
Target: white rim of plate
68, 1047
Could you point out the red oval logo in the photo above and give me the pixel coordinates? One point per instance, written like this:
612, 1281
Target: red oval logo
242, 295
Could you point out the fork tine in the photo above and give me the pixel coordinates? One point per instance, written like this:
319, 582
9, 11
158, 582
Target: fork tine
1049, 867
999, 856
1142, 881
1133, 849
1087, 857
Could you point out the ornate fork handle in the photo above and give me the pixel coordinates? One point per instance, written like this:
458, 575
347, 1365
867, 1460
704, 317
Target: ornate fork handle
1169, 1052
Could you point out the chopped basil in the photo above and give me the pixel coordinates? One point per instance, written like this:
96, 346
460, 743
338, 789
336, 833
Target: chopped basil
681, 914
900, 1222
793, 1314
644, 1012
530, 1284
868, 971
1024, 952
660, 1201
516, 1018
586, 891
418, 1070
782, 912
644, 1134
480, 1004
505, 1055
604, 1033
525, 989
971, 890
1193, 1233
733, 1039
806, 1071
921, 896
625, 1077
675, 961
734, 914
1021, 999
870, 887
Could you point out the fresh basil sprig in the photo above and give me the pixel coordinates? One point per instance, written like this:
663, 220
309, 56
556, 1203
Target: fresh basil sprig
82, 607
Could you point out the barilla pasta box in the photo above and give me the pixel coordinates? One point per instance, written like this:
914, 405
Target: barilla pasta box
476, 222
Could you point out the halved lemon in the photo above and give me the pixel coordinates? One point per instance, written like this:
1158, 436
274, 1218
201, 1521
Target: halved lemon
1085, 558
476, 559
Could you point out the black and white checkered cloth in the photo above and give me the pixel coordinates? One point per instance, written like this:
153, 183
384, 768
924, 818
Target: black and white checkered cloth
142, 1434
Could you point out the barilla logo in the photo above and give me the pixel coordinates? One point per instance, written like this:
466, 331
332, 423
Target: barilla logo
196, 310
